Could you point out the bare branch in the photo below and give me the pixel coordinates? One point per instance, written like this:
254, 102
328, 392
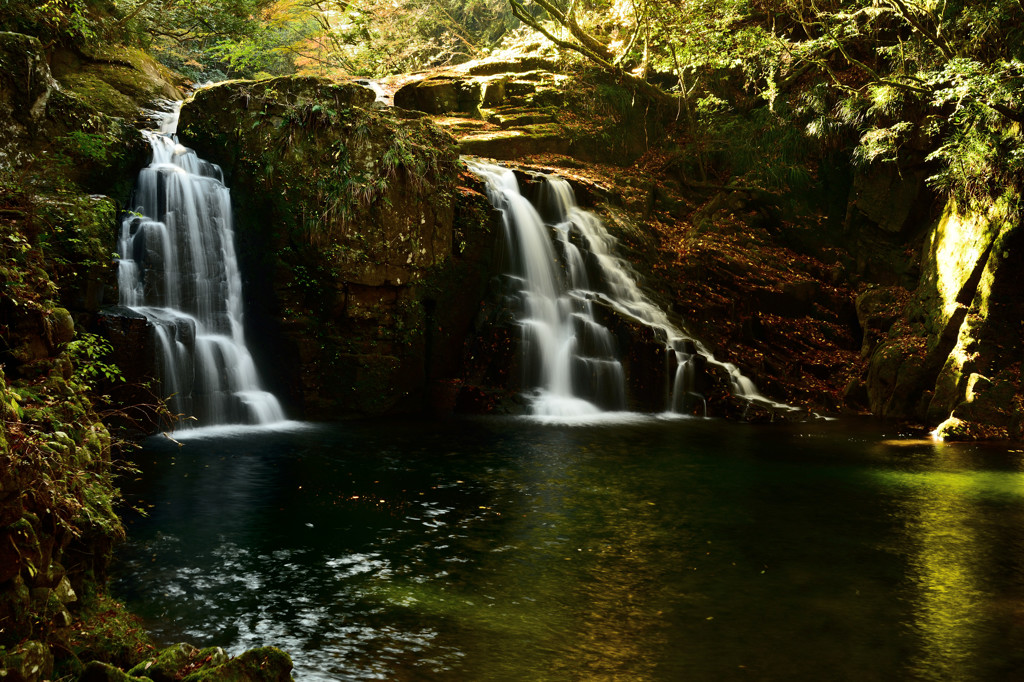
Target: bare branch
932, 37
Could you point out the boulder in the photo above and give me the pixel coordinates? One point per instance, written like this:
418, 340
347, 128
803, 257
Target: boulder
365, 250
30, 661
97, 671
445, 95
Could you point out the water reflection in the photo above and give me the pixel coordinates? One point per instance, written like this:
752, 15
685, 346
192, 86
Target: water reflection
953, 516
502, 550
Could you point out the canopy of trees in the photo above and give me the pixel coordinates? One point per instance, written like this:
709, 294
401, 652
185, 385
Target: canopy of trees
944, 76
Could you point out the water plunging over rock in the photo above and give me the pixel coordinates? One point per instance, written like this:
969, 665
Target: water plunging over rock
178, 268
563, 270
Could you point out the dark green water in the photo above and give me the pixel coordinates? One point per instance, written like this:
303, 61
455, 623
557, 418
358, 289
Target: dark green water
502, 549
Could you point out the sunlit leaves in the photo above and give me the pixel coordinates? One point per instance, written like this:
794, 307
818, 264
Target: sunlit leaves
883, 144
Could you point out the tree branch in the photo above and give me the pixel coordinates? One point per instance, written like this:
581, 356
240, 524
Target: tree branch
932, 37
638, 84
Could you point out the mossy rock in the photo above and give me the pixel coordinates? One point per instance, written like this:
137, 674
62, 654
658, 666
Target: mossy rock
107, 632
344, 213
264, 664
30, 661
955, 429
168, 663
445, 94
516, 143
97, 671
117, 80
185, 662
91, 88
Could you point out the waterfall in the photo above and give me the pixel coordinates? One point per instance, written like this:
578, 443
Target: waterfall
561, 270
178, 267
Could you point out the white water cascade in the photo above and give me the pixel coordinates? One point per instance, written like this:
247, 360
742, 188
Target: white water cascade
566, 267
178, 268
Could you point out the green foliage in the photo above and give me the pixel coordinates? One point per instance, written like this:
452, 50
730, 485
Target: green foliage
353, 181
761, 148
887, 76
85, 145
24, 281
54, 21
90, 354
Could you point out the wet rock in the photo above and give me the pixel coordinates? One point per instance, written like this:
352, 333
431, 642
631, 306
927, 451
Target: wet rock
442, 95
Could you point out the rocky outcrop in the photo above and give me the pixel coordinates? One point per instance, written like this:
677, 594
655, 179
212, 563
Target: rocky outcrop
69, 125
366, 254
117, 80
521, 107
952, 357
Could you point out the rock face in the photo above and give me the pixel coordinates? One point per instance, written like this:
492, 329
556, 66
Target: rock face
58, 151
521, 107
366, 257
954, 355
74, 118
25, 88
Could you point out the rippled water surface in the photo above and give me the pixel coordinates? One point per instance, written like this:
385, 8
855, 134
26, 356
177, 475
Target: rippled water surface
501, 549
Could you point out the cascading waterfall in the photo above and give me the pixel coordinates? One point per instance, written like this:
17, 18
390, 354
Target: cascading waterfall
178, 267
569, 356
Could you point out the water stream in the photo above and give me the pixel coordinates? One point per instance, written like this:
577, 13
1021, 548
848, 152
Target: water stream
564, 268
178, 267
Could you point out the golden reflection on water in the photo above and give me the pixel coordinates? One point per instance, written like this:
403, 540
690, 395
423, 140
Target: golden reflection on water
588, 605
596, 542
949, 557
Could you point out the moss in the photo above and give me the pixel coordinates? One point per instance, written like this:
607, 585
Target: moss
168, 663
31, 660
101, 95
186, 662
117, 80
105, 631
97, 671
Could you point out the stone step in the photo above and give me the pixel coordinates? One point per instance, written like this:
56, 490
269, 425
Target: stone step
457, 125
512, 144
517, 118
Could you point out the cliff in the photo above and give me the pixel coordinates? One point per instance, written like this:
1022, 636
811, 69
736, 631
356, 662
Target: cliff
366, 254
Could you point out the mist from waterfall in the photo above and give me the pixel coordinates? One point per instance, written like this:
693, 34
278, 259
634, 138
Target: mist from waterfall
178, 267
563, 269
